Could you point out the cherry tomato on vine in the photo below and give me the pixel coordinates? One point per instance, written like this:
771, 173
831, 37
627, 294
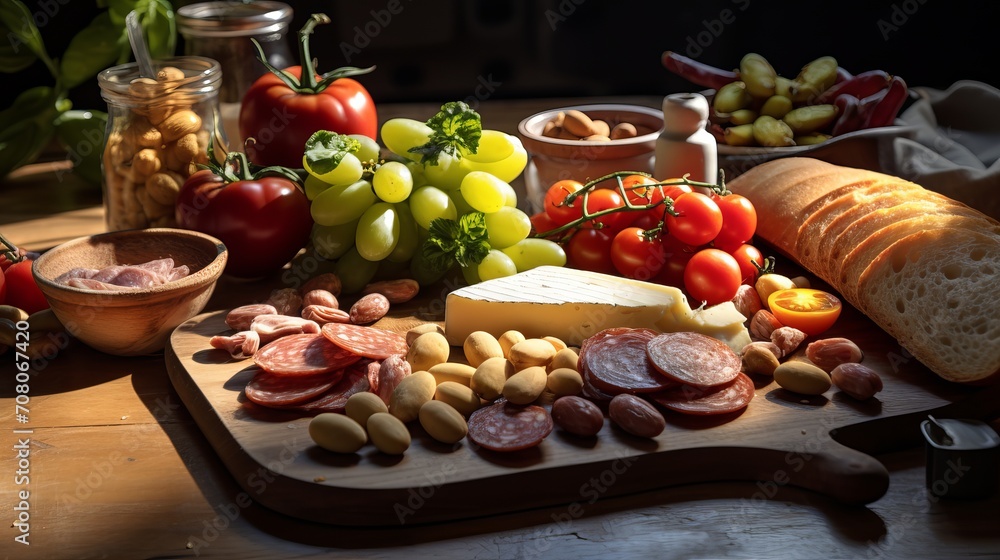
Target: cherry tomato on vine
3, 288
637, 256
606, 199
811, 311
739, 220
699, 219
677, 256
712, 276
590, 249
541, 223
22, 291
746, 255
640, 195
282, 109
555, 207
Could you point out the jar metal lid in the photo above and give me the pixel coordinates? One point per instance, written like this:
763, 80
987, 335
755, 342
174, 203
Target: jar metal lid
233, 19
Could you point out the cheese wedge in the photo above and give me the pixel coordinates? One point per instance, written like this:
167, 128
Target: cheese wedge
574, 304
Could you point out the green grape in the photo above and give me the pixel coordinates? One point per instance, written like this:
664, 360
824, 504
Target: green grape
484, 192
423, 271
496, 265
430, 203
355, 271
314, 185
392, 182
462, 207
409, 237
471, 274
369, 150
506, 169
378, 231
331, 242
348, 171
507, 226
494, 145
510, 195
530, 253
399, 135
340, 204
447, 173
417, 172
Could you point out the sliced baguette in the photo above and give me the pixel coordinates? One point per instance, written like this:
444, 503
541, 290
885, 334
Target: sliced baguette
935, 292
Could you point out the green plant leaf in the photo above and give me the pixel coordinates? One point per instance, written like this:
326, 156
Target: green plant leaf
93, 49
26, 126
81, 134
160, 28
325, 150
464, 241
457, 129
22, 32
12, 58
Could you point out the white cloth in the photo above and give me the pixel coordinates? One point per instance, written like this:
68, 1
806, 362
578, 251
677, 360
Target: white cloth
956, 148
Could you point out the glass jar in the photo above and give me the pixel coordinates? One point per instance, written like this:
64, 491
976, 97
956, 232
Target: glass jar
222, 31
158, 131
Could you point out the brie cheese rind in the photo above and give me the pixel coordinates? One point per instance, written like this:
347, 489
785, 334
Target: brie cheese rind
573, 304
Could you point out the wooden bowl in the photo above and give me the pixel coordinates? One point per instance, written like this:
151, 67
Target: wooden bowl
135, 321
554, 159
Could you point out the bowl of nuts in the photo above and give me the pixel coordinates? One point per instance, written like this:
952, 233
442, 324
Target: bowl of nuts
586, 142
124, 292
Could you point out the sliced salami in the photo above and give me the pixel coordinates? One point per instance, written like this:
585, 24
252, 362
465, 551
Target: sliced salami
615, 361
303, 354
391, 371
275, 390
701, 401
371, 371
377, 344
693, 359
354, 381
502, 426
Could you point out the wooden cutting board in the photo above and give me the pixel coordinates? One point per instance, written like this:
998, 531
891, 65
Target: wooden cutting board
779, 439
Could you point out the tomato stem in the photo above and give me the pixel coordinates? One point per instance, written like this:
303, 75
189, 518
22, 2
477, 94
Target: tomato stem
310, 82
10, 250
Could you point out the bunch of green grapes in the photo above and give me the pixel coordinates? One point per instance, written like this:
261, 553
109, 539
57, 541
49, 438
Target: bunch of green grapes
374, 210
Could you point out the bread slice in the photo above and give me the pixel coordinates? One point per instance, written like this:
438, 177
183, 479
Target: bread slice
867, 252
786, 187
935, 291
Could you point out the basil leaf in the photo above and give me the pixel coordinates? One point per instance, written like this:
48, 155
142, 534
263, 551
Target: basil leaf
158, 22
26, 127
93, 49
456, 130
325, 150
22, 32
12, 58
81, 134
464, 241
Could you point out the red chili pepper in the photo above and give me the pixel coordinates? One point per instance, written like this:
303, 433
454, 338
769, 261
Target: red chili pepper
860, 86
697, 72
884, 112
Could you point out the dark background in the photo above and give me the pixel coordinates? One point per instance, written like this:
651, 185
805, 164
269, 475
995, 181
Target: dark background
442, 50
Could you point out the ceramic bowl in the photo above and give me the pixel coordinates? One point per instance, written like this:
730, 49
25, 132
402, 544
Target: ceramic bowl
135, 321
554, 159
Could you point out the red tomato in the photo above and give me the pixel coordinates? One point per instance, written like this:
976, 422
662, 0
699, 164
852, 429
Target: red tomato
636, 256
3, 288
22, 291
677, 256
739, 220
640, 195
263, 222
699, 219
712, 276
555, 202
746, 255
541, 223
590, 249
600, 200
811, 311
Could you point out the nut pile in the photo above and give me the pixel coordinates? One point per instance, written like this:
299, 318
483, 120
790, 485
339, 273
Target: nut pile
153, 147
577, 125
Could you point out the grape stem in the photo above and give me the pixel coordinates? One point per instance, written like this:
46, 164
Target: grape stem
666, 202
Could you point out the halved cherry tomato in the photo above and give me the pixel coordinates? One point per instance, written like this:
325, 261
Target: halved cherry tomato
637, 256
809, 310
699, 219
712, 276
739, 220
590, 249
555, 202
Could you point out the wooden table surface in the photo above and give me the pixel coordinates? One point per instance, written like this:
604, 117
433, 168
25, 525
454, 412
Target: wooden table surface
118, 468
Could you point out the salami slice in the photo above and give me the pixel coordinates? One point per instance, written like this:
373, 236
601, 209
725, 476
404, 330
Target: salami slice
303, 354
371, 371
502, 426
614, 361
354, 380
702, 401
377, 344
693, 359
275, 390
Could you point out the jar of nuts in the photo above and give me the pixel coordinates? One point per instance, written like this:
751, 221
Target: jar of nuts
158, 131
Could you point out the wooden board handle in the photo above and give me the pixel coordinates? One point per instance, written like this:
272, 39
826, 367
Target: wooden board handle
843, 474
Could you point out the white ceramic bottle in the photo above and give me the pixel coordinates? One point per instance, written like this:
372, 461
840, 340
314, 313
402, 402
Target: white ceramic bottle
685, 147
